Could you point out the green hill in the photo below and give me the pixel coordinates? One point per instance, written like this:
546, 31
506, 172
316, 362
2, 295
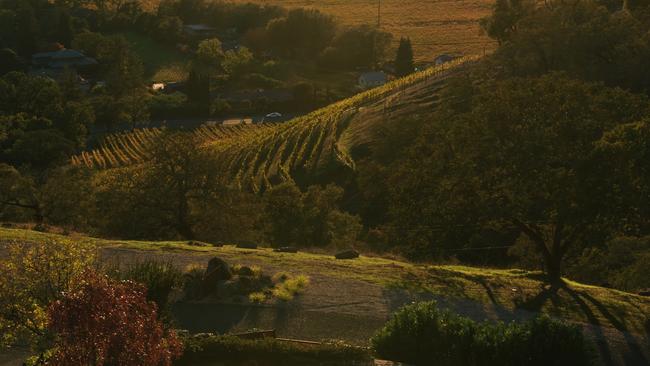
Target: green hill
349, 300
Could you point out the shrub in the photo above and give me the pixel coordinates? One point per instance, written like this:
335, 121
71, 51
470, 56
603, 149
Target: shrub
160, 279
269, 352
193, 283
257, 297
282, 293
288, 286
32, 275
421, 333
107, 322
220, 107
624, 263
164, 105
297, 284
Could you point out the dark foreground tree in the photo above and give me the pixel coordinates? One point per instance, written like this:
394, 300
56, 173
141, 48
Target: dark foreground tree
404, 59
161, 198
107, 322
18, 192
524, 157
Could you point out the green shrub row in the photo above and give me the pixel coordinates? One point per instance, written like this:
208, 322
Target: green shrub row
421, 334
231, 350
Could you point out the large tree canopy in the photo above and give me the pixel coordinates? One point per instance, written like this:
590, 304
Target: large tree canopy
584, 38
523, 156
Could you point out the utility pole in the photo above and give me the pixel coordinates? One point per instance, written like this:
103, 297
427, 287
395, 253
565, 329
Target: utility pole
378, 13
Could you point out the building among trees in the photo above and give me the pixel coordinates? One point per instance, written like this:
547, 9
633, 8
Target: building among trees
373, 79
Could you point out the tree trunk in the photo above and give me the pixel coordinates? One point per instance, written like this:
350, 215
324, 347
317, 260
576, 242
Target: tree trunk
182, 225
554, 268
552, 253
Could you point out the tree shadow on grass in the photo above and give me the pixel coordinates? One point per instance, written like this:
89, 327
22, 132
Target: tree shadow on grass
600, 340
488, 291
535, 303
591, 308
635, 356
550, 293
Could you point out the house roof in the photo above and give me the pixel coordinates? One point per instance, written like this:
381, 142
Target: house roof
445, 58
62, 59
199, 27
373, 77
59, 55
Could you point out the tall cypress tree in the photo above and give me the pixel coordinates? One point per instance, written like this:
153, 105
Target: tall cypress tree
404, 59
198, 90
26, 30
65, 30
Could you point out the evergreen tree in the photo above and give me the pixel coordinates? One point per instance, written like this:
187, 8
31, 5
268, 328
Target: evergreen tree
26, 30
9, 61
198, 89
65, 30
404, 59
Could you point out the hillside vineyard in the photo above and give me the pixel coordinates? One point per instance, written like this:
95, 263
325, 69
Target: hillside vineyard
258, 156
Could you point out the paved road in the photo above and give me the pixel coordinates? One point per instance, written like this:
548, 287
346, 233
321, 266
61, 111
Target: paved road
191, 123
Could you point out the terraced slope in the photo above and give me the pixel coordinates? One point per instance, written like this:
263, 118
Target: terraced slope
307, 147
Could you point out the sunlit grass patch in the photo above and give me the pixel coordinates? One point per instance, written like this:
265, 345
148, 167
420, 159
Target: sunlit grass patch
288, 286
257, 297
173, 72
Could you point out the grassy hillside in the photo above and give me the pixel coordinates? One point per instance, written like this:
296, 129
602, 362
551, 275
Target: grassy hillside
434, 26
304, 148
366, 285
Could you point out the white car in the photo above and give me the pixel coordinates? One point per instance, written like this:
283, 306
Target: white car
273, 115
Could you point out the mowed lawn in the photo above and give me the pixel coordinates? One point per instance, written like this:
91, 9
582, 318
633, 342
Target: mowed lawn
434, 26
161, 62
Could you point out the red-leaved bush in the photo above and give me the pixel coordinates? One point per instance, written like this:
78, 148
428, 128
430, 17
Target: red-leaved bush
110, 323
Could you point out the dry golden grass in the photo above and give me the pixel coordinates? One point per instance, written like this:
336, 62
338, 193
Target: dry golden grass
434, 26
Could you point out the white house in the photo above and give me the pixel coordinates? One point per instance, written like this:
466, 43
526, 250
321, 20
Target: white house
158, 86
373, 79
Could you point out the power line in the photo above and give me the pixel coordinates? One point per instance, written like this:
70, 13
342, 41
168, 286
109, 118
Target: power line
432, 43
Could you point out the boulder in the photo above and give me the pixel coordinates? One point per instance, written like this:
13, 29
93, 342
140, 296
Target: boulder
247, 246
645, 292
286, 250
348, 254
217, 271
